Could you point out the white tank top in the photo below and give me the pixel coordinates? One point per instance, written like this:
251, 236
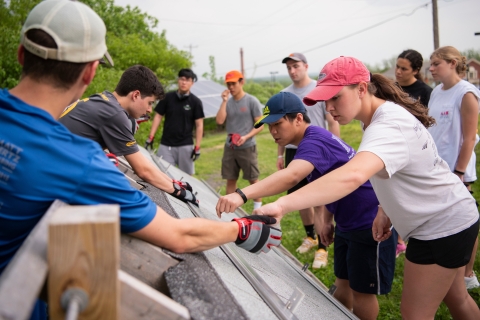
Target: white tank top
445, 107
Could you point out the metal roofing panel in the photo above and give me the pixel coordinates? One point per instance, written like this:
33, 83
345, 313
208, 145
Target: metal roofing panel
276, 269
210, 93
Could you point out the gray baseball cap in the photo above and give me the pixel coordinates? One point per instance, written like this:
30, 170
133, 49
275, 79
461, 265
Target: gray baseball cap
78, 31
295, 56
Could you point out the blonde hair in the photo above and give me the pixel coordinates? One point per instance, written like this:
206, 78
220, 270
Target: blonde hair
450, 54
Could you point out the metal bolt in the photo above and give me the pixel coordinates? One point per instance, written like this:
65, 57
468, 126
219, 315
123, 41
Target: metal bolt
74, 301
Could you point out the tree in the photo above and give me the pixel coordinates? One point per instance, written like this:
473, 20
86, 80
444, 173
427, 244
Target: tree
471, 53
213, 71
131, 40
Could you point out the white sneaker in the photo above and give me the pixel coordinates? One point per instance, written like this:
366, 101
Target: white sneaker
471, 282
308, 243
321, 259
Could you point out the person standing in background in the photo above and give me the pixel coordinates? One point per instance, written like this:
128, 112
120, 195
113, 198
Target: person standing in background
182, 111
409, 77
239, 113
454, 104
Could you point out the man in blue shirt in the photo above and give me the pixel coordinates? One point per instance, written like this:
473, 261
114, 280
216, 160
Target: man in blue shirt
40, 160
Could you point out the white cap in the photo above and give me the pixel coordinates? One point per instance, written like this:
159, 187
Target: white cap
77, 30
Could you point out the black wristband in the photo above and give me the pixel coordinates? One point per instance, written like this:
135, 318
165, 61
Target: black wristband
244, 197
459, 172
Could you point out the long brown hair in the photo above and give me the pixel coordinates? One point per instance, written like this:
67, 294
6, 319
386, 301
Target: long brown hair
384, 88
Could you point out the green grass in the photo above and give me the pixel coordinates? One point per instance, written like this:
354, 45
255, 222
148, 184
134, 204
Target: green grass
208, 168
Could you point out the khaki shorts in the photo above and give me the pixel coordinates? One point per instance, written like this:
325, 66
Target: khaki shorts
235, 159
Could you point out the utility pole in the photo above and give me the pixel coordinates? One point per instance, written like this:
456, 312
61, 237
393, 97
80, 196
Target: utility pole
241, 62
272, 75
436, 41
191, 47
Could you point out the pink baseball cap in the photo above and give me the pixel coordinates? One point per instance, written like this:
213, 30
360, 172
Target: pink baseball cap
336, 74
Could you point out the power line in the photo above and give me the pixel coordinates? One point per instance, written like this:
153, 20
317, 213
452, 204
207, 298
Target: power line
253, 24
349, 35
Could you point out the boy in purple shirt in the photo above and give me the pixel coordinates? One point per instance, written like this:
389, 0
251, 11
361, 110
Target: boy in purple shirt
363, 266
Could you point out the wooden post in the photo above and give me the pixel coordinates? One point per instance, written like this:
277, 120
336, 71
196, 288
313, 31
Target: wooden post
436, 38
25, 275
83, 252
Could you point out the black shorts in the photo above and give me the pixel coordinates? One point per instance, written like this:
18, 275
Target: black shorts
450, 252
289, 155
368, 265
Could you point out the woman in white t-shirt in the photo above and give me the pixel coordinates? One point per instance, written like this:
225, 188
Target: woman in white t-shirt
427, 204
454, 103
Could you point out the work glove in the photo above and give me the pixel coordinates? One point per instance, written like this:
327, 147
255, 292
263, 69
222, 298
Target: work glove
234, 137
184, 185
255, 234
149, 142
195, 153
113, 158
183, 194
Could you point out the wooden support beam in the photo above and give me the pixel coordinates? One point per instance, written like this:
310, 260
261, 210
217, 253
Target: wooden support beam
145, 262
83, 252
25, 275
139, 301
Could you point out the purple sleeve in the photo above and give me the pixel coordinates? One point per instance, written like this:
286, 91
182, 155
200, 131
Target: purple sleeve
318, 155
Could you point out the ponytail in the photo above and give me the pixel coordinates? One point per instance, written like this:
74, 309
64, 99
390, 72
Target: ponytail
385, 89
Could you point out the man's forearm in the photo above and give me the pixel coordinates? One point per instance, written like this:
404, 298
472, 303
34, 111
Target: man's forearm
146, 170
187, 235
253, 132
222, 113
276, 183
155, 124
199, 134
158, 179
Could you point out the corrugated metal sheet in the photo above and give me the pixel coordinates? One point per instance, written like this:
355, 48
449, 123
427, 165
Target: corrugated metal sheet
210, 93
278, 270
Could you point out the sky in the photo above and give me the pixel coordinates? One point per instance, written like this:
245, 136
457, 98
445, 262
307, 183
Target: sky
269, 30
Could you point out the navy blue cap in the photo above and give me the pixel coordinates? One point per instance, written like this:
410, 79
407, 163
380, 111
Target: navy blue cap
278, 106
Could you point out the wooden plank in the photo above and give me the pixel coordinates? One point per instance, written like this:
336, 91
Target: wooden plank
139, 301
25, 275
83, 252
145, 262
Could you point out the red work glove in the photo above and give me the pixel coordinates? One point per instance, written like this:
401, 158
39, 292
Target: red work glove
195, 153
255, 234
234, 137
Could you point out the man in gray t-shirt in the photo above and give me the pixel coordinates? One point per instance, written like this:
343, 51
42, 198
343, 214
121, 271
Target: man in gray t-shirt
240, 112
107, 119
302, 85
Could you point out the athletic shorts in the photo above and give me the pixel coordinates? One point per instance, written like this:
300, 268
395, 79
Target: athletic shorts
235, 159
180, 156
289, 155
368, 265
449, 252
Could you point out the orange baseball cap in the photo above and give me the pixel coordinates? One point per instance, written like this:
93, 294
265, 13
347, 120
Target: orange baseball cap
233, 76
